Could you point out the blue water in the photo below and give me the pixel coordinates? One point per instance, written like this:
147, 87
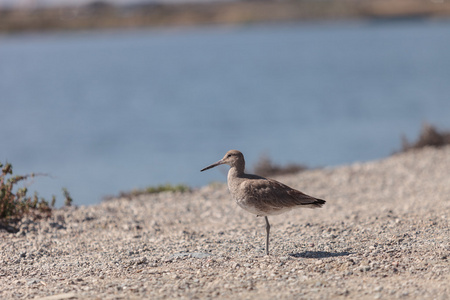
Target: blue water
104, 112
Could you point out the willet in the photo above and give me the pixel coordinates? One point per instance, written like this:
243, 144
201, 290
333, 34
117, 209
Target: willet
261, 196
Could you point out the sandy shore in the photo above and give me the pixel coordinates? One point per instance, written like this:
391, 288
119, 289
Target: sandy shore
383, 234
101, 15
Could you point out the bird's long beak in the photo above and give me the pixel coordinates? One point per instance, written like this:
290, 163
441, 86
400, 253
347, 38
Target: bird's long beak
220, 162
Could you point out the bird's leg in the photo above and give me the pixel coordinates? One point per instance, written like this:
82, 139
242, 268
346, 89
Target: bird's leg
267, 237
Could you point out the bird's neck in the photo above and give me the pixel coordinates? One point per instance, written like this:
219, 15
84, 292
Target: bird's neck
235, 172
235, 176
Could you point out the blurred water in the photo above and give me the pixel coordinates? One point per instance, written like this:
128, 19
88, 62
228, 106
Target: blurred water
109, 111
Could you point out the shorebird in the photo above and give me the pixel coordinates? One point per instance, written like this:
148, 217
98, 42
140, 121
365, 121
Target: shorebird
261, 196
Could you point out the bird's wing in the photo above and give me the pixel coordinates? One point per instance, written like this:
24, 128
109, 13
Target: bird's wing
277, 195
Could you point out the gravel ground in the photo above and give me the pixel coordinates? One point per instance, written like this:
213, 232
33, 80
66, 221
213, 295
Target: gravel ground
383, 234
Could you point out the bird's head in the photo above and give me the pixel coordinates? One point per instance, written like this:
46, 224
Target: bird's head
233, 158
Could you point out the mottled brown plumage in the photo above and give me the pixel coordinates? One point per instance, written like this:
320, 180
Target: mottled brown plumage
261, 196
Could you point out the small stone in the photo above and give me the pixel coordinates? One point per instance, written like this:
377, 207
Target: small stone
378, 289
364, 268
20, 233
33, 281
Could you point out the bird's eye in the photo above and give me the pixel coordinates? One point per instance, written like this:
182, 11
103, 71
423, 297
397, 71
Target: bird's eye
229, 155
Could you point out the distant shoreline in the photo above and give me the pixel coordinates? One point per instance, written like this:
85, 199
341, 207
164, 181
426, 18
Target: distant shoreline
101, 15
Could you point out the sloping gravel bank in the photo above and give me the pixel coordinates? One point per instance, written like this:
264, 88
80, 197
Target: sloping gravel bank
383, 234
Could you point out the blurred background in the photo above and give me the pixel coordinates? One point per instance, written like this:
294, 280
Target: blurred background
108, 96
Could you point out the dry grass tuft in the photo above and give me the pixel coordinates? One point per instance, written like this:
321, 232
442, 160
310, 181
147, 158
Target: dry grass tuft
265, 167
429, 136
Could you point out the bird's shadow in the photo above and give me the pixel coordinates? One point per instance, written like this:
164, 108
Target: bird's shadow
319, 254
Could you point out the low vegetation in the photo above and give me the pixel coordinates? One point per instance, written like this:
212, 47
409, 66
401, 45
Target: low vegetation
180, 188
15, 203
429, 136
265, 167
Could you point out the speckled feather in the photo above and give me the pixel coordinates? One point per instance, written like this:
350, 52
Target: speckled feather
265, 196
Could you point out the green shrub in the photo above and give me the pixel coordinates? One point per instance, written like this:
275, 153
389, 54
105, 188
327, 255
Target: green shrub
15, 203
166, 188
181, 188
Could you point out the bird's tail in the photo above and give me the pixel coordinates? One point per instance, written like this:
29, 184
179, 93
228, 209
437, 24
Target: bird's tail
315, 204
